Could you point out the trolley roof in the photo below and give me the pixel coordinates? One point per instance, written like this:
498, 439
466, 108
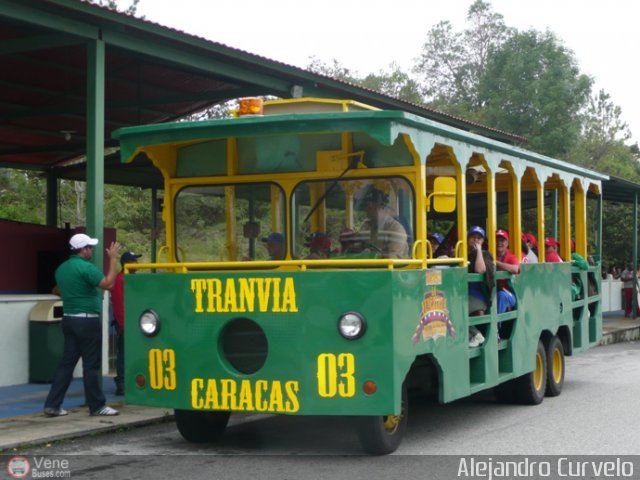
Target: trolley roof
384, 126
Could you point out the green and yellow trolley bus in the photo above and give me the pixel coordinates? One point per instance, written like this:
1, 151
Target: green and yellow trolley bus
297, 276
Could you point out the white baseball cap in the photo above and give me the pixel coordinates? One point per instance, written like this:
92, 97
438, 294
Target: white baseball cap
80, 240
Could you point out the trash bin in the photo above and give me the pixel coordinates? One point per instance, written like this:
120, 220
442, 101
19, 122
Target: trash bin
45, 340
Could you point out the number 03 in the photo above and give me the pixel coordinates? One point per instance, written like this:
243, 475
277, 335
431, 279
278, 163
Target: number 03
162, 369
336, 375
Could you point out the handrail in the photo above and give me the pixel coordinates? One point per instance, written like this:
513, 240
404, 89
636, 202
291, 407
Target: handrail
389, 263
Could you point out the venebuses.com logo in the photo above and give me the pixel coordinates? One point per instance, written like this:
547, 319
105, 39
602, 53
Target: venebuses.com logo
38, 467
18, 467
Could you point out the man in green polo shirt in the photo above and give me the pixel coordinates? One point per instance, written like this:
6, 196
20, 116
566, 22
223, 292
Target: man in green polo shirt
80, 283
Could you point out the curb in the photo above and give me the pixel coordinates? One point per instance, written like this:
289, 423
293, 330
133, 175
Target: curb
84, 431
621, 335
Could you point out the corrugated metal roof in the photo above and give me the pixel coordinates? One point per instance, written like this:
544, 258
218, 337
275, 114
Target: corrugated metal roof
153, 74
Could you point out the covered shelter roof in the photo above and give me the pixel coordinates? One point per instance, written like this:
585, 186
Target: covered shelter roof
617, 189
152, 74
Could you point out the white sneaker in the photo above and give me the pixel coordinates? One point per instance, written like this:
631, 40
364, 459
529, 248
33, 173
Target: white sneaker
105, 411
476, 339
55, 412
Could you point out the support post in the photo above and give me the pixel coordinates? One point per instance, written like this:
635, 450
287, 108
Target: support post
634, 249
95, 145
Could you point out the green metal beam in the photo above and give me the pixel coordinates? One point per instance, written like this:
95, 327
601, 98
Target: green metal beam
37, 42
144, 104
69, 148
199, 62
599, 232
44, 17
95, 145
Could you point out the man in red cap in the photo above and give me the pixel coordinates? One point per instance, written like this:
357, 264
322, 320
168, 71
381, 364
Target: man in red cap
507, 262
319, 246
551, 250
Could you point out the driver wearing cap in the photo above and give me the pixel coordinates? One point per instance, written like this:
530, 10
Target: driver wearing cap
381, 231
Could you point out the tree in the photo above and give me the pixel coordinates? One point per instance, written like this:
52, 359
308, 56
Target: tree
451, 64
23, 197
532, 86
219, 110
113, 4
394, 83
333, 69
602, 145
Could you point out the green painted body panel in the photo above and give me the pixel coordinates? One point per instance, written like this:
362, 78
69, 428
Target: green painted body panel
190, 159
392, 303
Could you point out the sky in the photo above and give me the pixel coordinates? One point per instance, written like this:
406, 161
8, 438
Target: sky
366, 36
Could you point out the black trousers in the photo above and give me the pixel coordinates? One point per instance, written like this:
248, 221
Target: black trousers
82, 339
119, 378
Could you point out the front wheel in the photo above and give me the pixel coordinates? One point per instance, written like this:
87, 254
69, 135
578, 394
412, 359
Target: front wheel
201, 427
555, 367
381, 435
529, 389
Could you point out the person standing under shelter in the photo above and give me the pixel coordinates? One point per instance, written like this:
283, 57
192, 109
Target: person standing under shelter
627, 278
117, 300
79, 282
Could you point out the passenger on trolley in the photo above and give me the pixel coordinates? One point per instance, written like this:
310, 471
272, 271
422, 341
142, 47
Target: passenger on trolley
507, 262
551, 250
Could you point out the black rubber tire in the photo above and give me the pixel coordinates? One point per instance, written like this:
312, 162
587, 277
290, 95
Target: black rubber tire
530, 388
555, 367
381, 435
201, 427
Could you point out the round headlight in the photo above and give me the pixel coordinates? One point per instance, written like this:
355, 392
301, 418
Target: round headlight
149, 323
352, 325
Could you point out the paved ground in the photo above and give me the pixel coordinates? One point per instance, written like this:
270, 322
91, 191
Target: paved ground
23, 423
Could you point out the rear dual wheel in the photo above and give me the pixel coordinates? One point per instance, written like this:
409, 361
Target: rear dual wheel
381, 435
555, 367
529, 389
546, 379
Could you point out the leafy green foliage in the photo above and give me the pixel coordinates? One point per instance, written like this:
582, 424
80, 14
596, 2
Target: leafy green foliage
128, 210
332, 69
533, 87
23, 196
113, 4
394, 83
602, 147
451, 64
